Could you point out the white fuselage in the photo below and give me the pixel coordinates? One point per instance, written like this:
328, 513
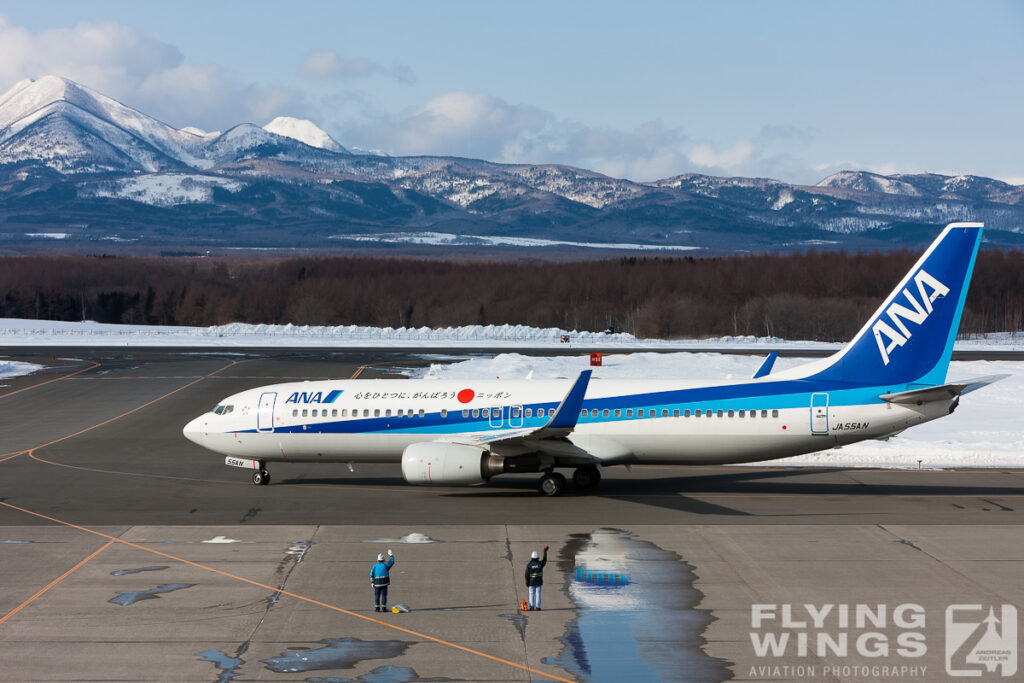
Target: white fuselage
681, 422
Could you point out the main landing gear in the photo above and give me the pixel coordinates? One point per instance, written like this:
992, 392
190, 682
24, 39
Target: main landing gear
261, 477
553, 484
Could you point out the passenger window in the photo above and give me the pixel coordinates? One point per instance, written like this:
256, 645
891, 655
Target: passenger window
584, 413
344, 412
465, 412
753, 413
476, 412
764, 413
376, 412
618, 413
314, 412
295, 412
775, 413
686, 413
640, 413
400, 413
719, 413
732, 413
334, 413
743, 413
422, 412
387, 413
516, 411
366, 412
529, 412
664, 412
304, 412
629, 412
444, 412
604, 413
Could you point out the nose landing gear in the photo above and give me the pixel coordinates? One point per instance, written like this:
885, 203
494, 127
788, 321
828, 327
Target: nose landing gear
261, 477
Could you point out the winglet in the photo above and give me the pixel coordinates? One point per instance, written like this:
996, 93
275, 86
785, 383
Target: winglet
766, 365
568, 412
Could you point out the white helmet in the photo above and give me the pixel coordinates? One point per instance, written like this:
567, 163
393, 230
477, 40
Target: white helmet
534, 555
380, 557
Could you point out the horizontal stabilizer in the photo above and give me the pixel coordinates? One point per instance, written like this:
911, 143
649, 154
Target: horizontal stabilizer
940, 393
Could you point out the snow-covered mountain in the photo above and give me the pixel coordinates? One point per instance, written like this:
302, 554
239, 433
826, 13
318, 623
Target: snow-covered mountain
76, 163
303, 131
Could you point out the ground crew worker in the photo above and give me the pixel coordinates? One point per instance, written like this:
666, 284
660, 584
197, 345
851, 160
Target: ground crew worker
535, 577
380, 579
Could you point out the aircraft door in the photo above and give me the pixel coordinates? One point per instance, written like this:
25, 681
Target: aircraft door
265, 413
515, 416
819, 413
495, 417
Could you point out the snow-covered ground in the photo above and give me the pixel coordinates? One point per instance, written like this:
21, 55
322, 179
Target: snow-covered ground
450, 239
983, 432
21, 332
13, 368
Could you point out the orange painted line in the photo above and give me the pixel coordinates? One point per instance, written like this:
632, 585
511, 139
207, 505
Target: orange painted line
12, 455
114, 379
55, 379
118, 417
55, 582
275, 589
135, 377
358, 371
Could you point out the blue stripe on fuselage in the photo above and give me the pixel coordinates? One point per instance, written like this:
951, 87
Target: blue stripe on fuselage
760, 396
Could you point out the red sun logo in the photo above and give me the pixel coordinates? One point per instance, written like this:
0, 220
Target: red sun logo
466, 395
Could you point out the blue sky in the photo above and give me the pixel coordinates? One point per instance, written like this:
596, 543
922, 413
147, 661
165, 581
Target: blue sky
790, 90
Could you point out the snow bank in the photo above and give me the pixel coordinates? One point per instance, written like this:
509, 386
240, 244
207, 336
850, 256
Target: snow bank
13, 368
19, 332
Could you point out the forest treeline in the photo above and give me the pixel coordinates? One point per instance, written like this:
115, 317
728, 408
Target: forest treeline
816, 295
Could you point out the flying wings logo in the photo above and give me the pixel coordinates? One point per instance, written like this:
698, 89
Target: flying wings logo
928, 289
314, 396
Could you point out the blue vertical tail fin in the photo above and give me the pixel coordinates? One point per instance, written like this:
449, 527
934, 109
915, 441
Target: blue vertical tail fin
909, 339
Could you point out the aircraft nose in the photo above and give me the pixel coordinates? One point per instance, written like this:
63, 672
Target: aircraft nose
195, 430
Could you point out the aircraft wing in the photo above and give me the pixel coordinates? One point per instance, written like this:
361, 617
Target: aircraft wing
943, 392
558, 426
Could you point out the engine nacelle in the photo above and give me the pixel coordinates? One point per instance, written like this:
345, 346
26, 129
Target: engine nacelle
445, 464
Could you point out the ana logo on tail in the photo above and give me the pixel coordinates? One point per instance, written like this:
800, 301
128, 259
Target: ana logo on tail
898, 313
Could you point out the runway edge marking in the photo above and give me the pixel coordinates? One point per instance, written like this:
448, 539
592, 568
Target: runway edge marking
55, 379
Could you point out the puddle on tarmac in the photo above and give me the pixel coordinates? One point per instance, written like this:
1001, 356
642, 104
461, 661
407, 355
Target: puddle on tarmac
382, 674
636, 613
122, 572
126, 598
18, 542
518, 620
225, 664
337, 653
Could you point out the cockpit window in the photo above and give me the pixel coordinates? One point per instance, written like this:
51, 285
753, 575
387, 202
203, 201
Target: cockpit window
223, 409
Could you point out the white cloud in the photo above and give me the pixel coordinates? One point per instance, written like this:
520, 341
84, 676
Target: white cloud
329, 65
728, 160
482, 126
144, 72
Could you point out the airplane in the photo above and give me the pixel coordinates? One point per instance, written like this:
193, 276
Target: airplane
890, 377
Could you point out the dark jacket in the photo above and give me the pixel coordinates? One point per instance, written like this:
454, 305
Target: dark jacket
535, 571
379, 575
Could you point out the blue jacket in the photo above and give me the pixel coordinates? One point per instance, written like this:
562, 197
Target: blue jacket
379, 572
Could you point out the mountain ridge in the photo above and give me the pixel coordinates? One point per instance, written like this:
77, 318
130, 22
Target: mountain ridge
83, 165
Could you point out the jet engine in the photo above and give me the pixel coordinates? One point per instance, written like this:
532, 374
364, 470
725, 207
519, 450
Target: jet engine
447, 464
